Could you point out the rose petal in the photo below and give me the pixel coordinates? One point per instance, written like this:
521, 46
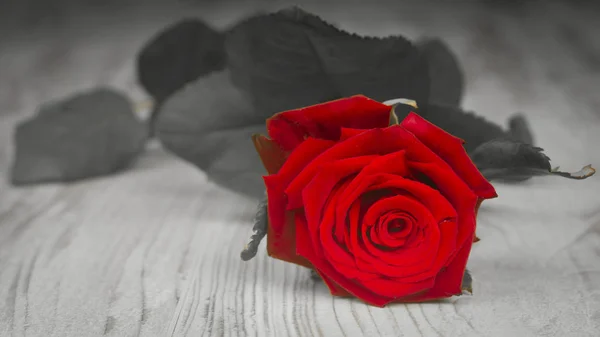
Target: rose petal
325, 120
349, 133
384, 235
381, 236
271, 155
328, 247
460, 196
284, 133
280, 238
421, 159
437, 204
451, 150
354, 220
305, 248
282, 244
334, 288
432, 165
448, 283
392, 163
321, 188
376, 141
329, 174
304, 154
397, 289
370, 142
332, 250
401, 262
398, 203
445, 215
276, 184
326, 270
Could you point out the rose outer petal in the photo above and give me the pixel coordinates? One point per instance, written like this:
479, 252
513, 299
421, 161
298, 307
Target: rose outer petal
285, 133
309, 150
334, 288
346, 133
374, 141
281, 228
316, 192
276, 184
392, 163
452, 151
271, 155
325, 120
448, 282
282, 244
394, 289
361, 145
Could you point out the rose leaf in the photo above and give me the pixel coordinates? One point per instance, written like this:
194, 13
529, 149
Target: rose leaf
519, 129
259, 231
277, 62
473, 129
467, 282
177, 55
291, 58
447, 80
508, 160
210, 123
89, 134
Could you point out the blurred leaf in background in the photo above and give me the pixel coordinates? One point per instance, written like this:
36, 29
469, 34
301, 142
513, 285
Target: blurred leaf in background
276, 62
178, 55
213, 90
87, 135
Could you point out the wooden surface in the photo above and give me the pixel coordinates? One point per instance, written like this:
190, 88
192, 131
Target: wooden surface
154, 251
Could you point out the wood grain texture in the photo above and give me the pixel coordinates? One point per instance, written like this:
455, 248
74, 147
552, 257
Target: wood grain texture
154, 251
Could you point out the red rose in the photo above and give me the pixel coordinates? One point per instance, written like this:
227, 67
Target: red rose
385, 214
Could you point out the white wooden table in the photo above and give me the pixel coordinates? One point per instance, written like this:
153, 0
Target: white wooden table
154, 251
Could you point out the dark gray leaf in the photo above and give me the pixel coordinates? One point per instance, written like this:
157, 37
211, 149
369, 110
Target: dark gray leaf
90, 134
277, 62
473, 129
178, 55
447, 80
519, 129
210, 124
292, 58
261, 223
508, 160
467, 282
